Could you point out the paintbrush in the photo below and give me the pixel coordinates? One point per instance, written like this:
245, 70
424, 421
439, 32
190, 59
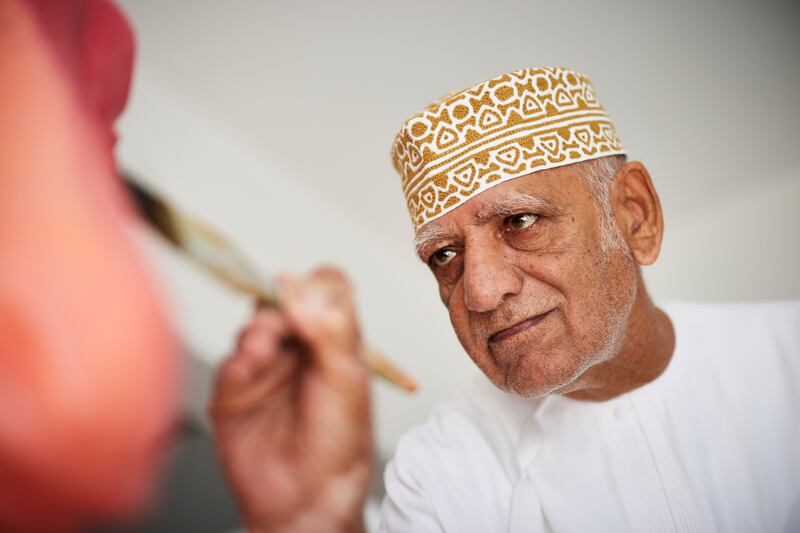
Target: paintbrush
216, 254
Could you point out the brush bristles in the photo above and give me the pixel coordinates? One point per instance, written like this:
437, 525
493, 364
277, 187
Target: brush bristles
155, 211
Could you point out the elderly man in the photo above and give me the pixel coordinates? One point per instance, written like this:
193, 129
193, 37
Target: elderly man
602, 412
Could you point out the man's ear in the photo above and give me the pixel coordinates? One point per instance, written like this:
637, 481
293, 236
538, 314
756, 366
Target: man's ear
638, 211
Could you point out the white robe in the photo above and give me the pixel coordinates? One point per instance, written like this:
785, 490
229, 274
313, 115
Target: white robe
713, 444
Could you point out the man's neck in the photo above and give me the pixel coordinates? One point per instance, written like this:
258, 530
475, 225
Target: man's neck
644, 354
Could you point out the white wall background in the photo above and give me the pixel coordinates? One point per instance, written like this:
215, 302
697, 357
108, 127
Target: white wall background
274, 119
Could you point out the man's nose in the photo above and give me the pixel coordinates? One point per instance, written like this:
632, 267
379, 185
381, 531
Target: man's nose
489, 276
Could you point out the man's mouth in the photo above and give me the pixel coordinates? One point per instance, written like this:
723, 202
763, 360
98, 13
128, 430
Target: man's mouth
519, 327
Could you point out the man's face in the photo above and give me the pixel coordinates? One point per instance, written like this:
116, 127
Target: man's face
532, 295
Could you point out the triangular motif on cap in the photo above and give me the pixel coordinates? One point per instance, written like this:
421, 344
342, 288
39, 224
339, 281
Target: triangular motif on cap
428, 197
562, 98
583, 136
530, 105
551, 144
465, 174
590, 98
488, 119
445, 138
414, 156
608, 132
508, 156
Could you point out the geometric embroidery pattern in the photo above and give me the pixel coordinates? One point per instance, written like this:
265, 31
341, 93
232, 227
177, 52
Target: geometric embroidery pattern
500, 129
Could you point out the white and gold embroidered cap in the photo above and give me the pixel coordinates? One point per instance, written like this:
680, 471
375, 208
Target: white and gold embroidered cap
500, 129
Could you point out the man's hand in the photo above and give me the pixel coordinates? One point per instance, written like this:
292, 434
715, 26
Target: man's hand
291, 412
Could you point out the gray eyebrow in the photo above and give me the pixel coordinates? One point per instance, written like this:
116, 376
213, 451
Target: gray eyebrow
510, 204
513, 203
426, 234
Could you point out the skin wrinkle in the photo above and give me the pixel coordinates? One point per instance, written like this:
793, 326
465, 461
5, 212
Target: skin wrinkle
575, 261
428, 234
512, 203
598, 175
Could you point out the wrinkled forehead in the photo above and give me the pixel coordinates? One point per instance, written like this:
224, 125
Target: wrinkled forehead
532, 193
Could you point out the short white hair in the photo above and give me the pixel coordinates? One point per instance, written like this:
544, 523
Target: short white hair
598, 175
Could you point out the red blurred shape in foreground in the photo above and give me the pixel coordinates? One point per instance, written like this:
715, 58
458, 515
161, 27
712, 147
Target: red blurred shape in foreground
88, 367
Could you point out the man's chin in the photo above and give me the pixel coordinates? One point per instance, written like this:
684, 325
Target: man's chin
527, 389
530, 379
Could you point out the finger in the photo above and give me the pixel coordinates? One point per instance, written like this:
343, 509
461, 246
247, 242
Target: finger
266, 322
340, 324
260, 343
320, 310
259, 362
242, 387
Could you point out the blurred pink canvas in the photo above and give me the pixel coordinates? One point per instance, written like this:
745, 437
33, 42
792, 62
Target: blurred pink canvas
88, 365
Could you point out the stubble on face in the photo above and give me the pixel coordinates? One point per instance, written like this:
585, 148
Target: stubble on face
582, 295
586, 327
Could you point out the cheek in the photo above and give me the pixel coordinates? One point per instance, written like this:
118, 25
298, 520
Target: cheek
459, 317
448, 278
445, 293
599, 298
465, 331
573, 280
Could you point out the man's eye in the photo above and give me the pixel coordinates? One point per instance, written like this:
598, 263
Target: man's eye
441, 257
521, 221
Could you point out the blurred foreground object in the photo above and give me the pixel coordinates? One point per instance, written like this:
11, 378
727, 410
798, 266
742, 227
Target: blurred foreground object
215, 253
88, 367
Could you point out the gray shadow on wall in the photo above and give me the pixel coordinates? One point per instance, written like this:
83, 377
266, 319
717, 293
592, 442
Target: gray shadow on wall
193, 495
